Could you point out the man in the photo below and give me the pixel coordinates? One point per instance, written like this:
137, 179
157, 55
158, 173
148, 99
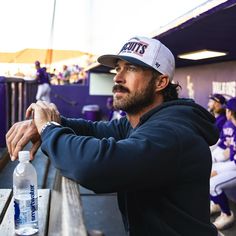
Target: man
224, 173
42, 78
216, 107
157, 158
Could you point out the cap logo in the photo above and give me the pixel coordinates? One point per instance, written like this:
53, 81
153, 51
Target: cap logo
134, 47
157, 65
144, 52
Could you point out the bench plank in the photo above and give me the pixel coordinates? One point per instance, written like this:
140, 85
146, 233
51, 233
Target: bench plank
7, 225
72, 217
44, 204
54, 228
66, 216
5, 195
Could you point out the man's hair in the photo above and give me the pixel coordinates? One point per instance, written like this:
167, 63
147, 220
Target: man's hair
221, 110
37, 63
171, 91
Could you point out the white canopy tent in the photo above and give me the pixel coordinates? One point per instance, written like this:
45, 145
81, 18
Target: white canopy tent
89, 26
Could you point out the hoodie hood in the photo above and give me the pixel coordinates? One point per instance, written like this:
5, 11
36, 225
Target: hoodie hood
189, 113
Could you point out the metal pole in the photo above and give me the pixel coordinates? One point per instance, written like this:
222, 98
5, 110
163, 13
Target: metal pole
49, 55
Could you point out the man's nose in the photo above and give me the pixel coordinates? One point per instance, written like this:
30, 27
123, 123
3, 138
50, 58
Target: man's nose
119, 77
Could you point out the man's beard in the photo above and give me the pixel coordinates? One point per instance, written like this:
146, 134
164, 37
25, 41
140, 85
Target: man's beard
211, 110
134, 102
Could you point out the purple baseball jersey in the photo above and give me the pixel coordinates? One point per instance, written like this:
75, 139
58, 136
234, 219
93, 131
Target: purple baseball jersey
42, 76
220, 121
228, 138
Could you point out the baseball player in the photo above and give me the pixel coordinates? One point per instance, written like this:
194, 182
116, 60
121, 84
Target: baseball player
224, 173
216, 107
221, 152
42, 78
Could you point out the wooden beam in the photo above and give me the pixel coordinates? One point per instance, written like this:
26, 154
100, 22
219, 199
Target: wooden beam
72, 217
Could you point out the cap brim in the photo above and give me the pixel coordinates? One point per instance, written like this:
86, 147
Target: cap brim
214, 99
111, 60
211, 97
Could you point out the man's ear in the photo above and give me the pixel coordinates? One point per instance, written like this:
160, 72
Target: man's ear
162, 82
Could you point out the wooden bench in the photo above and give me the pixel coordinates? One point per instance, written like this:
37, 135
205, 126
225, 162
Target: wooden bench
60, 210
66, 216
7, 211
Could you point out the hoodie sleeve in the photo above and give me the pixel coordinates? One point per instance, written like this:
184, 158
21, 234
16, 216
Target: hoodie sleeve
115, 128
109, 164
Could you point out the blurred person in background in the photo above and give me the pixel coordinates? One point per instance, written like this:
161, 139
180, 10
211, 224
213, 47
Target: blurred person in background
113, 113
65, 75
223, 174
43, 80
216, 107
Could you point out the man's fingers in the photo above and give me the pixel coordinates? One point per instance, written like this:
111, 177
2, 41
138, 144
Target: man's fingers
9, 138
10, 131
22, 135
33, 107
29, 110
55, 113
19, 147
42, 104
16, 141
34, 149
15, 132
213, 173
53, 106
43, 112
50, 109
19, 135
9, 141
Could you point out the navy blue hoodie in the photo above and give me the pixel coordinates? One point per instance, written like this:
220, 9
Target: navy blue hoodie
160, 169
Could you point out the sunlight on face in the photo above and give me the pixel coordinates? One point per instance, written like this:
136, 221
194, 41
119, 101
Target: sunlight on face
134, 89
211, 105
134, 102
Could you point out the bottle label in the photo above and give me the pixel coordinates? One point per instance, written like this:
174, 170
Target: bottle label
26, 208
33, 203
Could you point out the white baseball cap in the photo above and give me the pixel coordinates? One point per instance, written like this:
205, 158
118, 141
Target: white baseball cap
145, 52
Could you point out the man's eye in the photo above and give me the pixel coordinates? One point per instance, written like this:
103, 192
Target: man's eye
132, 68
117, 69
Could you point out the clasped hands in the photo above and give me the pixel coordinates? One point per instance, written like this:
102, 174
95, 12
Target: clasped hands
21, 133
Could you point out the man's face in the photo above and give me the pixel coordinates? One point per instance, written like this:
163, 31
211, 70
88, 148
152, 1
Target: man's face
211, 105
214, 106
134, 88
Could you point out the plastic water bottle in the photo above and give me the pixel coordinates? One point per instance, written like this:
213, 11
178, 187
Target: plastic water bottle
25, 196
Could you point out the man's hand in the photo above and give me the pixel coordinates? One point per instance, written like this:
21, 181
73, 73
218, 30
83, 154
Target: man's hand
43, 112
25, 131
19, 135
226, 153
213, 173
